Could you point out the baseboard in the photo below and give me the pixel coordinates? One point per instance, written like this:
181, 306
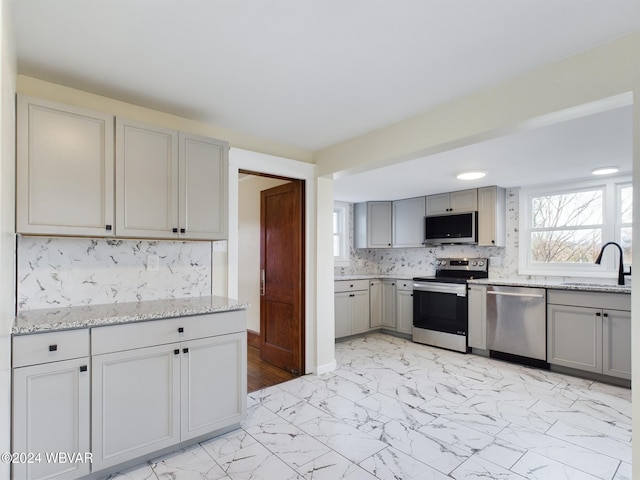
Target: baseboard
253, 339
326, 368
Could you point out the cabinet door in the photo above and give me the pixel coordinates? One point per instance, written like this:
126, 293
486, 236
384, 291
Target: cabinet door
616, 342
404, 308
437, 204
375, 304
379, 224
408, 222
342, 314
359, 305
464, 201
210, 366
491, 216
389, 304
64, 170
51, 414
477, 302
146, 180
203, 192
135, 403
574, 337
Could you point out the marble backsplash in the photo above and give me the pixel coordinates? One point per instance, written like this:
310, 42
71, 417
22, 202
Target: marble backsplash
55, 272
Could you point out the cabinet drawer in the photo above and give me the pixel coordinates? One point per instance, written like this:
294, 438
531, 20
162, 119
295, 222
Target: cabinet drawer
128, 336
404, 285
351, 285
50, 347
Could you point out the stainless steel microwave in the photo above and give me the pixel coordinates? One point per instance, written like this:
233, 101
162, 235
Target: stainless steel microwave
452, 228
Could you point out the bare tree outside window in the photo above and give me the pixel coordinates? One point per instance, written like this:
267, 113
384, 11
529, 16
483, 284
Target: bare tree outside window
567, 227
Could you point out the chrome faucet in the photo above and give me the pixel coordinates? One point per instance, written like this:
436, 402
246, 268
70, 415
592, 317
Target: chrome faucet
621, 265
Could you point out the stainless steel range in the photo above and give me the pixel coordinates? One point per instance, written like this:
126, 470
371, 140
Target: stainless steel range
440, 316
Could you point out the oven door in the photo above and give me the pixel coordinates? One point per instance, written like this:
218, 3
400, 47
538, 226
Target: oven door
441, 307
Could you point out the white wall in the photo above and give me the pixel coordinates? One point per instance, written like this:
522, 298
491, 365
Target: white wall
249, 189
7, 228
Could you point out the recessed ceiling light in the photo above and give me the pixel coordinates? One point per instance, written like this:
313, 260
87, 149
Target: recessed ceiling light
604, 170
470, 175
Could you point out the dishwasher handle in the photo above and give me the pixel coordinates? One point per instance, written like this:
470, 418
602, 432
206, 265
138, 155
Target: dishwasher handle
511, 294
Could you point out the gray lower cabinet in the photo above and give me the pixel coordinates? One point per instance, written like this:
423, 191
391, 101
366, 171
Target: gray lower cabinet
375, 303
389, 304
477, 304
351, 307
585, 333
126, 391
404, 306
136, 403
51, 403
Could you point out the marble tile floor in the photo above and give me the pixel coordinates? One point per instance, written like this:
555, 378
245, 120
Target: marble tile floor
397, 410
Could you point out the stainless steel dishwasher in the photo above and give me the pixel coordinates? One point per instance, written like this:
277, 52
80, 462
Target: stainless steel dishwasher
517, 324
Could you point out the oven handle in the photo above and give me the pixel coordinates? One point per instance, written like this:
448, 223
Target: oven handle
511, 294
439, 288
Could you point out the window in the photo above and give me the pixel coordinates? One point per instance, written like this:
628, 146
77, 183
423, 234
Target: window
563, 227
625, 219
341, 234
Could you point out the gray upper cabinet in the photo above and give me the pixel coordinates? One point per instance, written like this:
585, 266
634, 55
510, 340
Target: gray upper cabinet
491, 217
452, 202
146, 180
203, 195
373, 224
170, 184
408, 222
64, 170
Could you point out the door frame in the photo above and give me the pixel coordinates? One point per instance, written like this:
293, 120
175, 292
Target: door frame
259, 163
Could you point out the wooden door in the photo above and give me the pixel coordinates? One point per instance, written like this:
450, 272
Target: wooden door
282, 276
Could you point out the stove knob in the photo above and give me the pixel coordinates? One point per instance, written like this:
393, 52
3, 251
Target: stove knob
481, 263
474, 263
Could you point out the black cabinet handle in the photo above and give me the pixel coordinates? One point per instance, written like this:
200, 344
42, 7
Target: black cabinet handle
83, 368
180, 329
53, 348
176, 351
175, 230
107, 227
185, 350
352, 295
597, 314
183, 230
605, 315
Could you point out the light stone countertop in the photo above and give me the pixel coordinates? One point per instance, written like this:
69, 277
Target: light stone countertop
510, 282
575, 286
65, 318
374, 276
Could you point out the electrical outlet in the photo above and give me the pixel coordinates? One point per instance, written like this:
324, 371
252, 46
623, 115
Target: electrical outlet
153, 263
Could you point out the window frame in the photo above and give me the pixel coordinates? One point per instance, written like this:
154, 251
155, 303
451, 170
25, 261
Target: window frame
610, 228
342, 208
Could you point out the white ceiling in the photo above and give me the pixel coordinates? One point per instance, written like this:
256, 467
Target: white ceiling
311, 73
563, 151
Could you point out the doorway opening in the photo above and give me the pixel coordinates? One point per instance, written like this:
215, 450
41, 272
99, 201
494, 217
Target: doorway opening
271, 240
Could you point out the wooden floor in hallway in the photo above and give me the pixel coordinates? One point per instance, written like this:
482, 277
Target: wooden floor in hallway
261, 374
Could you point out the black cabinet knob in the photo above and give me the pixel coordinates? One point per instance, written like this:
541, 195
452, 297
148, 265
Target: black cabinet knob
176, 351
180, 329
83, 368
174, 230
183, 230
185, 350
107, 227
53, 348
